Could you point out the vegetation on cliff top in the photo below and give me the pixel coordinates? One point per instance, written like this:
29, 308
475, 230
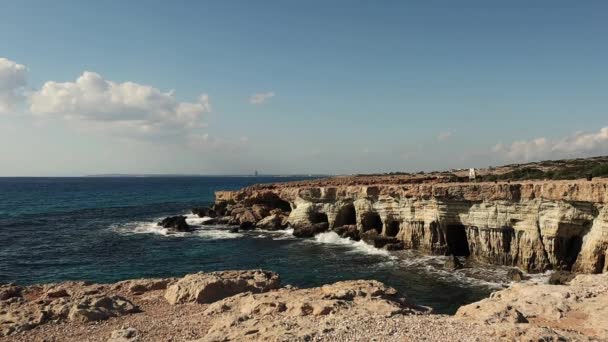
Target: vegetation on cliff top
543, 170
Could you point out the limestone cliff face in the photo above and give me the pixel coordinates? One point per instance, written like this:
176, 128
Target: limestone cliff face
532, 225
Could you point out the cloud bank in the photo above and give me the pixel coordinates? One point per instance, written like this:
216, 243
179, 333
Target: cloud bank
261, 97
119, 106
580, 144
12, 81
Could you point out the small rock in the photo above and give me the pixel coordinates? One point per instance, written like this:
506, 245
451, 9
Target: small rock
177, 223
123, 335
561, 277
515, 274
453, 263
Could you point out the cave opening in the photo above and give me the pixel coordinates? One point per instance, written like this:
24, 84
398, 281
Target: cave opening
508, 233
371, 220
392, 228
458, 244
346, 216
281, 204
317, 217
573, 248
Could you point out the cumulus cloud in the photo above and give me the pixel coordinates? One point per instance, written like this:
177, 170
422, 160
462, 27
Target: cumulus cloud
580, 144
12, 82
261, 97
443, 136
96, 102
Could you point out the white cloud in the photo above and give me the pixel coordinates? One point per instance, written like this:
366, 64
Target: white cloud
93, 102
580, 144
12, 80
261, 97
443, 136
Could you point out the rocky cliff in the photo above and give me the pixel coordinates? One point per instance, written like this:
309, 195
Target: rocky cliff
534, 225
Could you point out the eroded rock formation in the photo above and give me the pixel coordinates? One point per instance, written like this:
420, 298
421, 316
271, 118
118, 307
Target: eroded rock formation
535, 225
579, 306
251, 305
22, 309
211, 287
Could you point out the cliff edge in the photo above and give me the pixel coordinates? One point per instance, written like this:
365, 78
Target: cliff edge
534, 225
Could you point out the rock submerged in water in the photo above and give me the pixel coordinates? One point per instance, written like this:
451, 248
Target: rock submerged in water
348, 231
310, 231
204, 212
176, 223
377, 240
216, 210
453, 263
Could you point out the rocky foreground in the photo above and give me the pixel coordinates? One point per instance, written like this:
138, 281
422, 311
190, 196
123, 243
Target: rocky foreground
254, 305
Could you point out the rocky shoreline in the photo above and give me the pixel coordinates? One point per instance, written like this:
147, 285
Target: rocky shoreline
533, 225
254, 305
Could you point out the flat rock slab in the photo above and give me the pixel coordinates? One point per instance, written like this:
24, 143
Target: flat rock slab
210, 287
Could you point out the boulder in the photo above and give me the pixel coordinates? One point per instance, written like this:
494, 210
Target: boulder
272, 222
204, 212
211, 287
221, 209
373, 238
515, 274
56, 293
220, 220
394, 246
453, 263
310, 231
348, 231
10, 291
140, 286
100, 308
561, 277
176, 223
260, 211
247, 219
237, 210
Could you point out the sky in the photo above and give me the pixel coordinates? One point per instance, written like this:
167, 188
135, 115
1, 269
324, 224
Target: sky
284, 87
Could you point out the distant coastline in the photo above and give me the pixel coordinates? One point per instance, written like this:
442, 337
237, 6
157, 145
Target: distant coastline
199, 175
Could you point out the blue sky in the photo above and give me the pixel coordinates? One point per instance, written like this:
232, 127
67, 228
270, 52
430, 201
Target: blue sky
358, 86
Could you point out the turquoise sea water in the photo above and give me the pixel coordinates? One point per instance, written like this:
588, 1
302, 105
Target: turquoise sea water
104, 230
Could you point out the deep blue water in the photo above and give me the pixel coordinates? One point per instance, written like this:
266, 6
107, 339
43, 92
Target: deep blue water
103, 230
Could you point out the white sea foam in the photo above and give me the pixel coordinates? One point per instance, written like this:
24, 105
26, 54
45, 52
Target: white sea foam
195, 220
214, 232
356, 246
284, 234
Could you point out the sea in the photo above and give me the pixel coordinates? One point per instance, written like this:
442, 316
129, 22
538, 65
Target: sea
103, 229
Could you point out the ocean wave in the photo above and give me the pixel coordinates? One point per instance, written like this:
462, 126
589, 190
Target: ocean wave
284, 234
356, 246
212, 232
489, 276
195, 220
